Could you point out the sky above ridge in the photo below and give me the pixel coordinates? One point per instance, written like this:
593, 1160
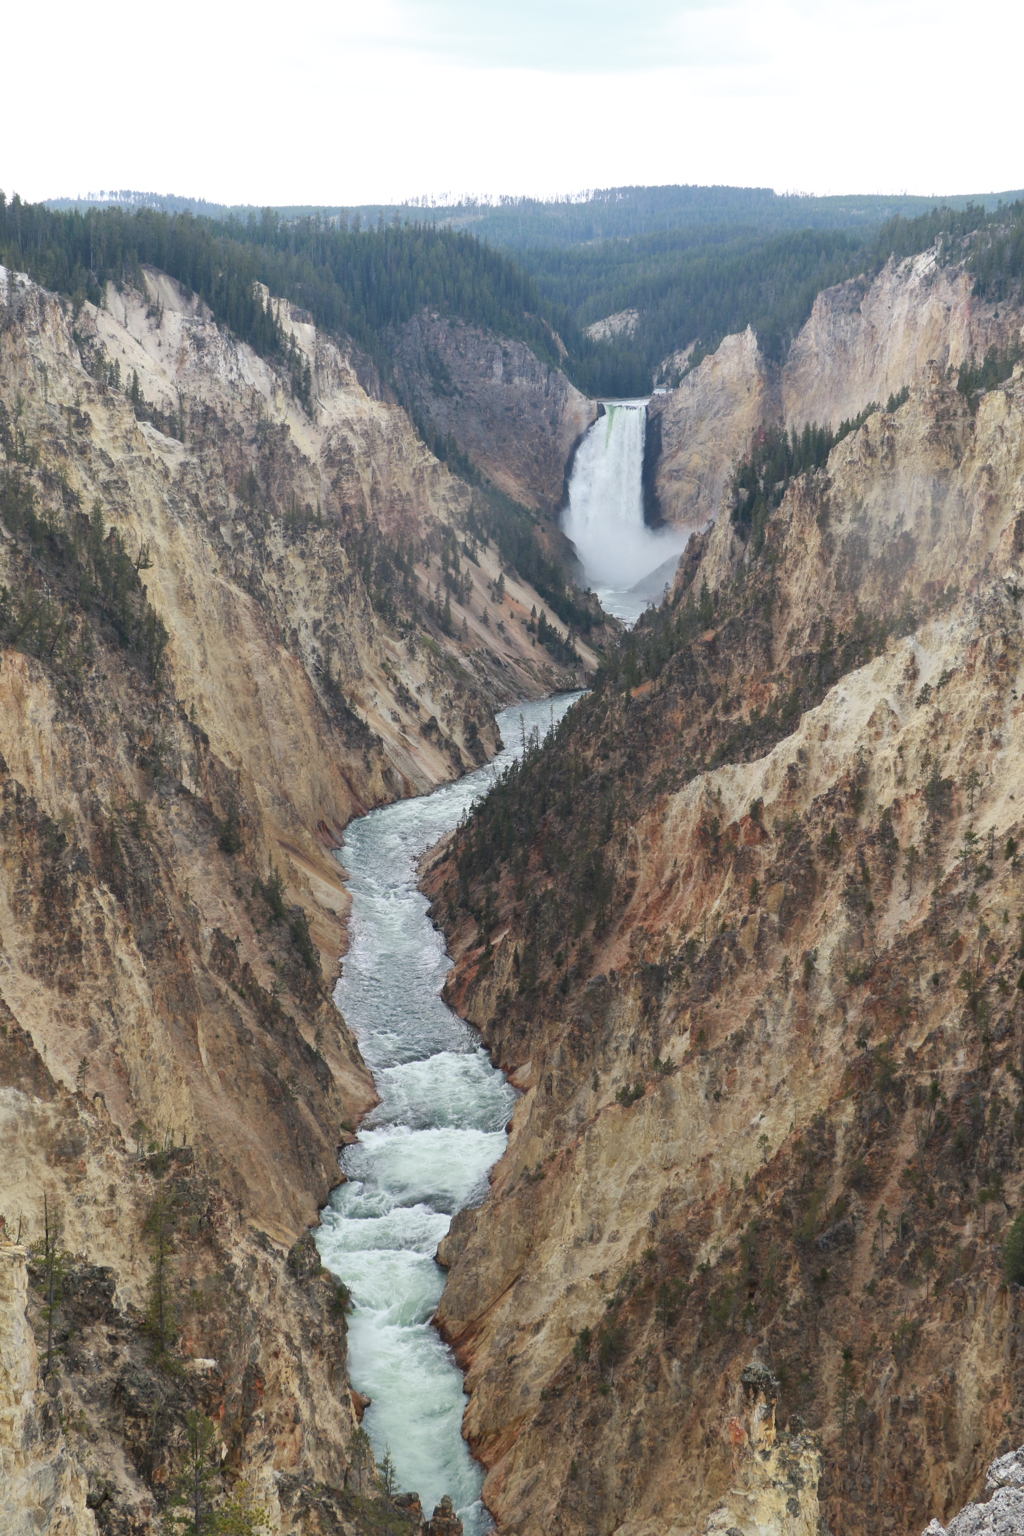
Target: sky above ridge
353, 101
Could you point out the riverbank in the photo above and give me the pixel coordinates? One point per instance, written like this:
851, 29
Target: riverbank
425, 1151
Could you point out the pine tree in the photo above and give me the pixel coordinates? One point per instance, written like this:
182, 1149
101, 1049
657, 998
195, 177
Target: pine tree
230, 839
1013, 1252
194, 1487
242, 1515
159, 1228
387, 1482
55, 1262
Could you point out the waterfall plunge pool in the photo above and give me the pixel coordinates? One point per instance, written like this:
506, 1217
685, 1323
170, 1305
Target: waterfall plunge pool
426, 1149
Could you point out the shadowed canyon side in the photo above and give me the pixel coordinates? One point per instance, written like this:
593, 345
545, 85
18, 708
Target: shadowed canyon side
750, 949
515, 418
229, 622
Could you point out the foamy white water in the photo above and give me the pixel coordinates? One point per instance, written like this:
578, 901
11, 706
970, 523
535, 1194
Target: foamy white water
605, 515
425, 1151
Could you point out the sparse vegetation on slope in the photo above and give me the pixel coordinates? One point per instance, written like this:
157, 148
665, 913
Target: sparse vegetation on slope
747, 929
703, 284
218, 642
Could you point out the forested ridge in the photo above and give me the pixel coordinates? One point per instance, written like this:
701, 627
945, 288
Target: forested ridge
603, 213
629, 213
355, 284
697, 283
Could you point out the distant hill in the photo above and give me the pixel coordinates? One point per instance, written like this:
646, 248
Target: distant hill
628, 212
518, 223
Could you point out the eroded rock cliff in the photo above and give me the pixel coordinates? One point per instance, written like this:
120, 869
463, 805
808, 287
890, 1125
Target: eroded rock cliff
754, 963
698, 433
239, 603
514, 417
865, 341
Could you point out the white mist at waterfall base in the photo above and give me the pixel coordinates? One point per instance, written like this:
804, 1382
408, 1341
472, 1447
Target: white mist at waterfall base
425, 1151
605, 516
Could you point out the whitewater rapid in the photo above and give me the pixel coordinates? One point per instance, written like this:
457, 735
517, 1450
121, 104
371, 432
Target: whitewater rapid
624, 561
425, 1151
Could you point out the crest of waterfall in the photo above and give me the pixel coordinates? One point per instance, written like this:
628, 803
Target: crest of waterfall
605, 515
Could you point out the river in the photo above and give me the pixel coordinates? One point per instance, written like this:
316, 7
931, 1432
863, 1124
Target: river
425, 1151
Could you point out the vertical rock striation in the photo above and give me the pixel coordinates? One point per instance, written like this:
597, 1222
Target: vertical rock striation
516, 419
229, 621
754, 962
865, 340
705, 426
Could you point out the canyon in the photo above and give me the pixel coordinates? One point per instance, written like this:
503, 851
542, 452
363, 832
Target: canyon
744, 932
746, 936
233, 622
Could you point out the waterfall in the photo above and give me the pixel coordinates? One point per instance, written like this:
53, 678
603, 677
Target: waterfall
605, 515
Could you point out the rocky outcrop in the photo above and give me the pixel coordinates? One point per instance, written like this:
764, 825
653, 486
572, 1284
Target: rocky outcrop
1000, 1511
753, 966
698, 433
864, 342
517, 419
623, 323
774, 1476
444, 1521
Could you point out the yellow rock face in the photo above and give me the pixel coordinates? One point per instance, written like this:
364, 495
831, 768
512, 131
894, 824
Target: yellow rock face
703, 428
745, 1132
863, 342
166, 1028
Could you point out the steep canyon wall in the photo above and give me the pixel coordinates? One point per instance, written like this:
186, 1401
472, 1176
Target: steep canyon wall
514, 417
754, 964
231, 620
863, 342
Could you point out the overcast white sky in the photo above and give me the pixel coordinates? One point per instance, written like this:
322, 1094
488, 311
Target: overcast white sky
350, 101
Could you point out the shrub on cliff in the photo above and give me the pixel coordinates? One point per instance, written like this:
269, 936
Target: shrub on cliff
299, 929
273, 893
159, 1227
230, 839
1013, 1252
